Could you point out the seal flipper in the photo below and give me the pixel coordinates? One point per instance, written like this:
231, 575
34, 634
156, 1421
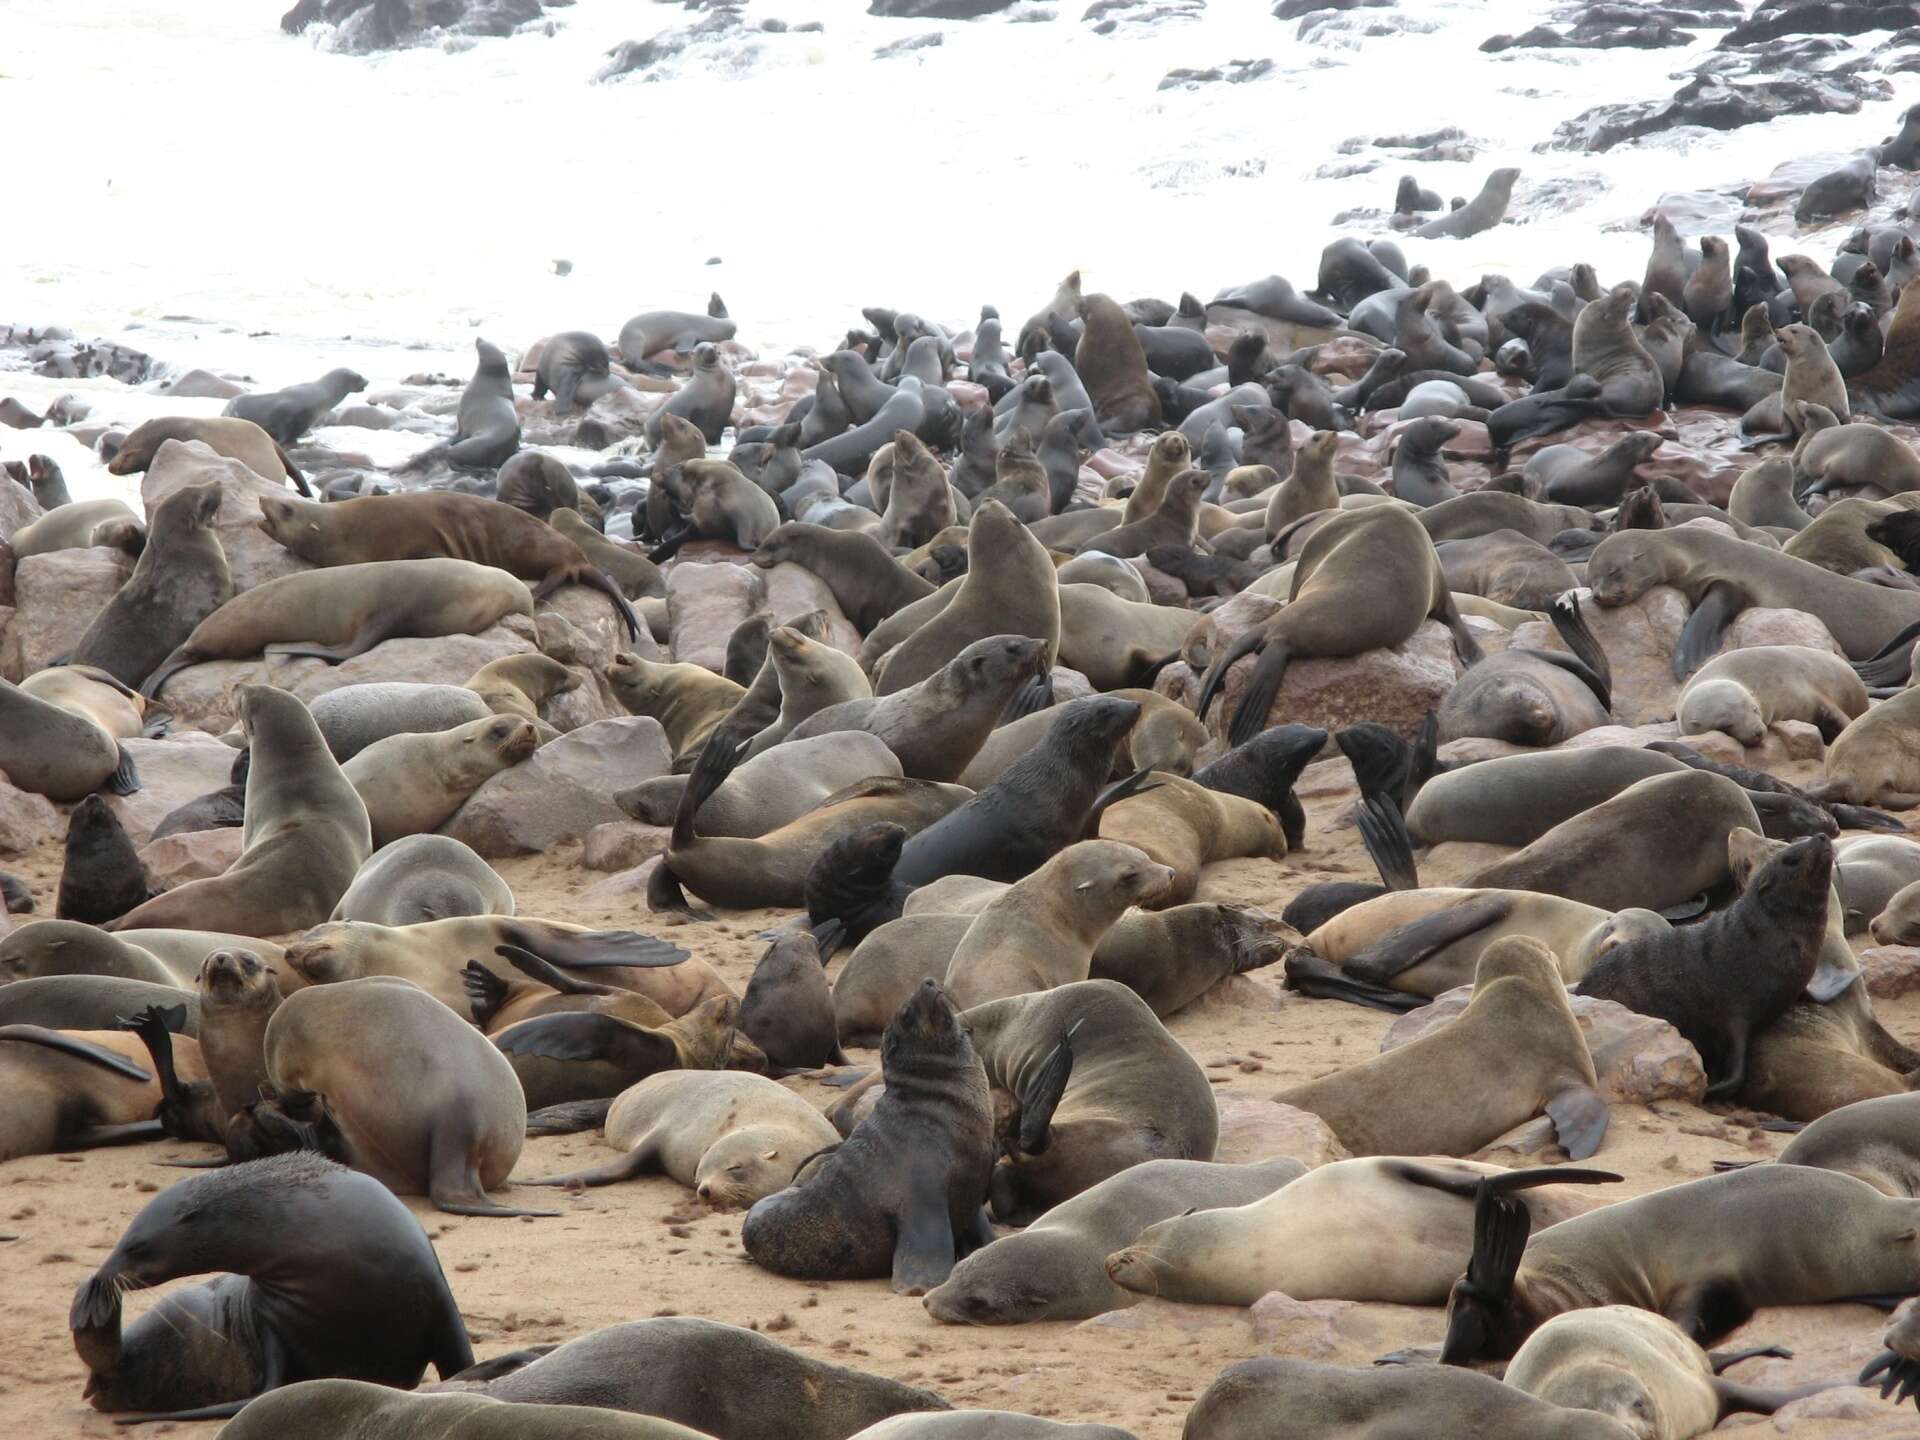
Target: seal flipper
500, 1365
187, 1111
1892, 664
670, 544
1733, 1073
1247, 644
1408, 945
581, 1036
79, 1049
125, 779
592, 949
453, 1180
293, 471
1701, 636
1724, 1360
569, 1118
636, 1162
1830, 982
1134, 784
1263, 688
362, 642
1579, 1117
1861, 817
1892, 1372
923, 1249
1043, 1095
1308, 974
486, 992
1388, 844
538, 970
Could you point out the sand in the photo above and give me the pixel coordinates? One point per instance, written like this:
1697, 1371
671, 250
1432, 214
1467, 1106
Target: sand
649, 1248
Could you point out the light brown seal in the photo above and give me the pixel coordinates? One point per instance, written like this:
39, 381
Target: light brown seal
226, 435
411, 784
689, 701
1743, 692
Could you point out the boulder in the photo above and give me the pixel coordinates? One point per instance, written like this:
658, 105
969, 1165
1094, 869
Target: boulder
200, 695
1639, 638
190, 855
622, 845
1779, 627
1713, 103
1252, 1131
26, 820
56, 597
579, 626
184, 766
252, 555
1891, 970
18, 508
793, 590
564, 791
1638, 1058
1394, 687
704, 605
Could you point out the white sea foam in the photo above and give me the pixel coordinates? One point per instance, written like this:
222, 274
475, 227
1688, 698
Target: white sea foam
186, 158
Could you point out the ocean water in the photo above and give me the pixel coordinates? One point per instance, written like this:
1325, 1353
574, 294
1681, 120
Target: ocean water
186, 178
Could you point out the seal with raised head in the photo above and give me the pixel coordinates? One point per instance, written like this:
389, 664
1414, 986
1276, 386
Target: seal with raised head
180, 579
1483, 212
305, 836
437, 524
326, 1274
903, 1194
1113, 366
1436, 1094
288, 414
101, 877
411, 784
337, 613
706, 400
234, 438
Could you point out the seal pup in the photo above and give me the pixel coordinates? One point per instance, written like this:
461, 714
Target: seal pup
411, 784
1763, 495
305, 835
101, 877
787, 1010
288, 414
1329, 1402
1869, 762
48, 750
1381, 551
180, 579
1743, 692
422, 878
812, 677
732, 1137
1812, 379
236, 439
903, 1194
421, 1100
1095, 1085
722, 1378
1055, 1269
327, 1274
335, 614
1320, 1237
1432, 1094
425, 525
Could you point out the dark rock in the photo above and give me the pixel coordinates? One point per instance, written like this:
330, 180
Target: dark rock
1293, 9
909, 45
1234, 72
937, 9
1107, 16
643, 56
1657, 35
363, 27
1774, 20
1713, 103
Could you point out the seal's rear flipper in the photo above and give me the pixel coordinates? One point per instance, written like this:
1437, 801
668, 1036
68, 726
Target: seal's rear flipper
1134, 784
1724, 1360
538, 970
205, 1412
486, 991
1320, 902
1860, 817
635, 1163
1308, 974
1737, 1399
1411, 1355
1579, 1117
1263, 688
125, 779
582, 1036
1893, 1373
828, 936
1043, 1095
1701, 636
1408, 945
1721, 1167
100, 1137
570, 1118
79, 1049
590, 949
1389, 845
499, 1365
1892, 664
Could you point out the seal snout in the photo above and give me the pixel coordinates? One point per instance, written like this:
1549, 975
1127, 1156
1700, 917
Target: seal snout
1133, 1269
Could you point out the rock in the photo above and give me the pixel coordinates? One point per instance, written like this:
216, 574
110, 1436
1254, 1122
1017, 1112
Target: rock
564, 791
184, 766
26, 820
793, 590
1711, 102
56, 597
626, 890
937, 9
587, 702
1891, 970
1304, 1329
1592, 35
191, 855
1638, 1058
252, 555
1252, 1131
931, 40
1779, 627
704, 605
1395, 687
1858, 1407
648, 58
1166, 1317
622, 845
1774, 20
579, 626
199, 696
1639, 638
202, 385
18, 508
1234, 72
363, 27
1070, 685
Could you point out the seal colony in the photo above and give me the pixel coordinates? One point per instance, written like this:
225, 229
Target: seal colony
997, 825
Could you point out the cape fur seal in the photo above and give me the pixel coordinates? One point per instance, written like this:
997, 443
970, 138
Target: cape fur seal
327, 1275
376, 1412
412, 784
48, 750
288, 414
903, 1194
235, 438
1436, 1095
771, 789
1743, 692
422, 878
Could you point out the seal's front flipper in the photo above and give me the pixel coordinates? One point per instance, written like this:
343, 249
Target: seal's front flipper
582, 1036
923, 1252
102, 1137
1579, 1117
1249, 641
1043, 1095
1893, 1373
1263, 688
1707, 627
125, 779
79, 1049
1830, 982
1408, 945
1860, 817
569, 1118
1384, 833
630, 1166
1593, 669
1724, 1360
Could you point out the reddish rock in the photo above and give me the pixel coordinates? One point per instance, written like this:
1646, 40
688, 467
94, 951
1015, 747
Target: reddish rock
1891, 970
183, 766
622, 845
26, 819
1252, 1131
793, 590
704, 605
56, 597
191, 855
1779, 627
564, 791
